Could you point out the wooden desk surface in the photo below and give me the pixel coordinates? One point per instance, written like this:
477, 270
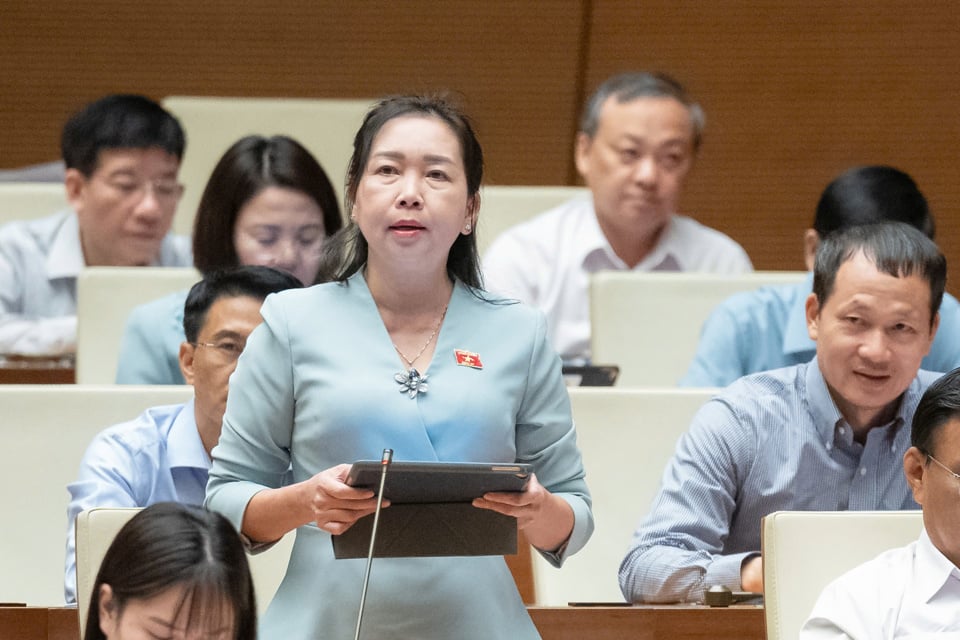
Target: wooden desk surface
26, 370
554, 623
649, 622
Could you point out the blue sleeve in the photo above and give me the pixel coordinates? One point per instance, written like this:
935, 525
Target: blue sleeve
149, 350
945, 352
254, 448
675, 554
108, 477
546, 438
719, 359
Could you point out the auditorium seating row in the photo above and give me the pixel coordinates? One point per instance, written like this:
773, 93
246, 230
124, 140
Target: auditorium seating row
647, 323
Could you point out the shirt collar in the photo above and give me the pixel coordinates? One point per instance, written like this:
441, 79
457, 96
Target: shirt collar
184, 446
933, 569
65, 257
826, 415
796, 337
597, 254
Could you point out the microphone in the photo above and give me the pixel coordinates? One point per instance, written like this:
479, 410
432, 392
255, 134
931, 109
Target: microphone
384, 463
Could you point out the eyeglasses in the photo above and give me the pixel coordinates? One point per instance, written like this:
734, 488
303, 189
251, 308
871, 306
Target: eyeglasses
164, 191
956, 476
228, 351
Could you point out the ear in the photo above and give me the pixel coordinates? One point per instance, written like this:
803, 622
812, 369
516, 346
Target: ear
473, 212
75, 184
813, 316
811, 240
186, 356
108, 611
914, 468
581, 154
933, 330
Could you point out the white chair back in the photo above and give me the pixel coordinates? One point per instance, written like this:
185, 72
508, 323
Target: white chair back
96, 529
626, 437
326, 127
45, 431
649, 323
502, 207
30, 200
803, 551
105, 298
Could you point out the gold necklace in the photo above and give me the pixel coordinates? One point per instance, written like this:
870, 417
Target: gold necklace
412, 381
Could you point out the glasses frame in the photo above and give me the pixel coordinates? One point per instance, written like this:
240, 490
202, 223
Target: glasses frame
228, 351
956, 476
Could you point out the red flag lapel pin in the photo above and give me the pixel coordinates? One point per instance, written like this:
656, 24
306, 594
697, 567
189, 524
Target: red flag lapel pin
468, 359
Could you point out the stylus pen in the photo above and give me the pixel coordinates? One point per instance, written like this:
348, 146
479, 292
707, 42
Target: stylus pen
384, 463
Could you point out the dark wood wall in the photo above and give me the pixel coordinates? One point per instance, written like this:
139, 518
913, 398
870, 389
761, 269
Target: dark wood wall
795, 91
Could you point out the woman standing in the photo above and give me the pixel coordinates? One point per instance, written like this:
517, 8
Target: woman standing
419, 360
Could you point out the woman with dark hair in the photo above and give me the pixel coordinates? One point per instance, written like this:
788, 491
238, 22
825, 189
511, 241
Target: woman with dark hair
268, 202
173, 571
405, 294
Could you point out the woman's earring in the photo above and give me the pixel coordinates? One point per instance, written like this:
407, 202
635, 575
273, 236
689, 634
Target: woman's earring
467, 228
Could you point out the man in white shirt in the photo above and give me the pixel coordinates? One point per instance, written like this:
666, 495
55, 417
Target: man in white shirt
914, 591
639, 136
122, 156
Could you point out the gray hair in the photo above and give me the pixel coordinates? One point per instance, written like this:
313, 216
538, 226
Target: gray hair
627, 87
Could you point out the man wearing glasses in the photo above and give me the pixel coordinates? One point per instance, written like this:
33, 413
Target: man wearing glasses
826, 435
164, 454
913, 591
122, 154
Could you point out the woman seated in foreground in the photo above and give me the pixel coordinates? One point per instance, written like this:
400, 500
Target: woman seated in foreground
173, 571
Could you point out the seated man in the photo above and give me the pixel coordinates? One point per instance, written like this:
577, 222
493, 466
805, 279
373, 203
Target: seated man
122, 155
164, 454
766, 329
914, 591
638, 137
825, 435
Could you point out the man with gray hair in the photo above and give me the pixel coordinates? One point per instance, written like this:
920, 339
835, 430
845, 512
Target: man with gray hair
638, 138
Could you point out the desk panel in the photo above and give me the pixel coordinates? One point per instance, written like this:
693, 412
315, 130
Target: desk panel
554, 623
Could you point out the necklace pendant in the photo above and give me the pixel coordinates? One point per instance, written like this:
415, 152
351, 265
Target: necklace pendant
411, 382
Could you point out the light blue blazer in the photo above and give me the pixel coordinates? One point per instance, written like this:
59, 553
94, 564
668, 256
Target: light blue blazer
315, 388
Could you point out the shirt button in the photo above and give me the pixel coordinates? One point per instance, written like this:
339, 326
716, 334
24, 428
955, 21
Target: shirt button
863, 471
840, 430
829, 446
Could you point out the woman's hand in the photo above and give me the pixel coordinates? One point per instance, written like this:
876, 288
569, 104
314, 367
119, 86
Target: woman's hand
335, 504
544, 518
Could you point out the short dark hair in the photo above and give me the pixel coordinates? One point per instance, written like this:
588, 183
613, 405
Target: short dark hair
940, 404
169, 545
872, 194
346, 253
248, 167
120, 121
253, 281
627, 87
895, 248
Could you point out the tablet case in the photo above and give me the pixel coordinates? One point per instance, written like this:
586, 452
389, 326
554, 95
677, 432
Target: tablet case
434, 516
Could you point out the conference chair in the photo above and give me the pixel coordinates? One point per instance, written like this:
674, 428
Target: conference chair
803, 551
326, 127
96, 529
45, 430
502, 207
105, 298
649, 323
626, 437
30, 200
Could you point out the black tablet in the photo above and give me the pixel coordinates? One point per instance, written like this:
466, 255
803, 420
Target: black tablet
590, 375
428, 482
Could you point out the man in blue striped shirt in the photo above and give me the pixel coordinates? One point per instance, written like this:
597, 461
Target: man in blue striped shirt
826, 435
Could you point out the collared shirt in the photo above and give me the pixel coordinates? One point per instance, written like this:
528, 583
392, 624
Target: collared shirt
39, 264
770, 441
157, 457
547, 262
910, 592
767, 329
